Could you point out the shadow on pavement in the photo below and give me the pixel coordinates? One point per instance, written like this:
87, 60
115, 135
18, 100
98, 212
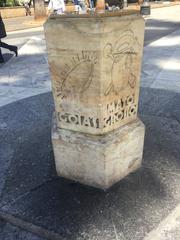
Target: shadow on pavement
133, 207
156, 29
25, 146
31, 191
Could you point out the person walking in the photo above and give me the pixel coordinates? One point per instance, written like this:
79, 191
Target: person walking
91, 4
5, 45
76, 5
57, 6
82, 4
27, 6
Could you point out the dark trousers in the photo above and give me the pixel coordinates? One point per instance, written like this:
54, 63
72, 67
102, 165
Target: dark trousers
1, 57
27, 8
7, 46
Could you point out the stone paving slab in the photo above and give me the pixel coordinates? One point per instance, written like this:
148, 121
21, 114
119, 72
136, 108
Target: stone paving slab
19, 23
161, 107
9, 232
29, 69
26, 75
170, 84
153, 61
169, 228
160, 69
30, 190
9, 95
164, 139
169, 77
161, 63
26, 155
129, 210
20, 38
159, 102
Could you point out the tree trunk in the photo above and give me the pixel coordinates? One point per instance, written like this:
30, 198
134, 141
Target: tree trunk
39, 9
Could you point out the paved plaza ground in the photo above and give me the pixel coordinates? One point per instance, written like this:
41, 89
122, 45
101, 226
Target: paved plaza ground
36, 204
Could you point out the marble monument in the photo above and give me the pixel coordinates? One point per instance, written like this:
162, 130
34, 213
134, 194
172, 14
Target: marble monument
95, 63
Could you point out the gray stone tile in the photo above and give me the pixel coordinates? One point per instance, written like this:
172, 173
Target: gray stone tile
10, 94
161, 61
26, 156
173, 234
153, 62
159, 110
162, 22
169, 228
152, 52
162, 141
129, 210
29, 71
11, 232
172, 84
148, 74
172, 76
168, 42
159, 102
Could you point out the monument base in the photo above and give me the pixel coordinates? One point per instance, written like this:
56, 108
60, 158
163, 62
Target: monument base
98, 160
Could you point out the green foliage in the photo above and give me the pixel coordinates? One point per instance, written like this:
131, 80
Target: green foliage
2, 3
8, 3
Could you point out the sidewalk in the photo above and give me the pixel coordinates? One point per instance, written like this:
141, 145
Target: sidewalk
35, 204
17, 82
160, 69
20, 23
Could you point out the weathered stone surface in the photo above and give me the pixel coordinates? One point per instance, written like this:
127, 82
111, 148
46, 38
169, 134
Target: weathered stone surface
95, 66
95, 80
101, 160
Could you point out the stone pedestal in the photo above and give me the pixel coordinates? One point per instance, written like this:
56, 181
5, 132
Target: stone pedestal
101, 160
95, 63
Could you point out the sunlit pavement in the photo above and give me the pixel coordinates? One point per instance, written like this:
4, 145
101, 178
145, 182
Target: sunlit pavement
160, 65
36, 205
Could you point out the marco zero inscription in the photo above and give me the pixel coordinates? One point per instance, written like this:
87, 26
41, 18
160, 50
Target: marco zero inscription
116, 111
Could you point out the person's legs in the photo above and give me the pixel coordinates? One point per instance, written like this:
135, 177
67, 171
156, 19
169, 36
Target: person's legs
91, 4
78, 8
82, 5
9, 47
25, 7
1, 57
28, 11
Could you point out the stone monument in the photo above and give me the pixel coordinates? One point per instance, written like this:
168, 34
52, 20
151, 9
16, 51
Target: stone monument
95, 62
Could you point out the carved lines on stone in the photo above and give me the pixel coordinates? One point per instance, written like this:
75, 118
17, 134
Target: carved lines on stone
120, 109
116, 111
121, 55
77, 75
78, 120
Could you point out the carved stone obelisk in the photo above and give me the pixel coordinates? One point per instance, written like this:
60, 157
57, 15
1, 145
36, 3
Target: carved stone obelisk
95, 63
